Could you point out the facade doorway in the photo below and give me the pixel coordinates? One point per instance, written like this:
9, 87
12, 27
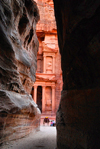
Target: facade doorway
39, 97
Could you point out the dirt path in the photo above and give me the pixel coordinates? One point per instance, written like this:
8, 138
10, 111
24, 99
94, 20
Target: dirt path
43, 139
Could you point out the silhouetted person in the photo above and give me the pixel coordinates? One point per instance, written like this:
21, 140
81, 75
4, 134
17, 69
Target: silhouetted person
46, 120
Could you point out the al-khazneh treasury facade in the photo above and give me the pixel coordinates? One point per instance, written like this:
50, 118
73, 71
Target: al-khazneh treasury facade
47, 88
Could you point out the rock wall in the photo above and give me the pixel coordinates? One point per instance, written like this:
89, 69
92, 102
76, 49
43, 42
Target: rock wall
78, 116
19, 115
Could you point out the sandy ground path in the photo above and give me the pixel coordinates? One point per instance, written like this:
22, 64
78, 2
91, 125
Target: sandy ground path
43, 139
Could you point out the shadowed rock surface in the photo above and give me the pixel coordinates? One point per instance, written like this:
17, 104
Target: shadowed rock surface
43, 139
78, 116
19, 115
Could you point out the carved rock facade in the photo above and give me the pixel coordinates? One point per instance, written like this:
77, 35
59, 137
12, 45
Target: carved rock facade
78, 116
19, 114
47, 88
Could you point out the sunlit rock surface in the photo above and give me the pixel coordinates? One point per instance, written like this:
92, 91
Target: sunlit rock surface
78, 116
19, 114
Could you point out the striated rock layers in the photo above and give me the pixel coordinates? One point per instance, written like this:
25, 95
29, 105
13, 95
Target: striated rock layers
19, 114
78, 116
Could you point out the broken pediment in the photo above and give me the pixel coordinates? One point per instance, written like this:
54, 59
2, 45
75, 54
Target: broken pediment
45, 77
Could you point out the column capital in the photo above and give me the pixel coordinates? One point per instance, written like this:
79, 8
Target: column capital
53, 86
35, 86
43, 86
44, 55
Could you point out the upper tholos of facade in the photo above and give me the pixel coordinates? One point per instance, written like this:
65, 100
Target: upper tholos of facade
47, 36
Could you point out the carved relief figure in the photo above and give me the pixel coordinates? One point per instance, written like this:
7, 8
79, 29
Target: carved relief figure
49, 65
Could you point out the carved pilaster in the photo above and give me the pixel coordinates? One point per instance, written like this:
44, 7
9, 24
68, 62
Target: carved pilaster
53, 98
43, 98
35, 94
53, 64
44, 64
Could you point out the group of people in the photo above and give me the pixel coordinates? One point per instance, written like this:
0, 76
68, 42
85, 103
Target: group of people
47, 120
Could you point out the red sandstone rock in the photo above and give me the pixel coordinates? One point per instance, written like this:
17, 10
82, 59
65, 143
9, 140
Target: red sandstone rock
19, 114
78, 116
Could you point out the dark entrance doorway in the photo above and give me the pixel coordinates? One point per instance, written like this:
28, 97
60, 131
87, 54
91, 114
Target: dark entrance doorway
39, 97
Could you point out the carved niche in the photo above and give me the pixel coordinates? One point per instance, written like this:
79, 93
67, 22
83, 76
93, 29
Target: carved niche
49, 64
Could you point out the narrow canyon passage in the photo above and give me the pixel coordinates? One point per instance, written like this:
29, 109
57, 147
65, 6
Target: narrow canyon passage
43, 139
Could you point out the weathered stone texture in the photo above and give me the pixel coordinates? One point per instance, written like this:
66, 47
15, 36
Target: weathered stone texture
47, 21
18, 52
78, 116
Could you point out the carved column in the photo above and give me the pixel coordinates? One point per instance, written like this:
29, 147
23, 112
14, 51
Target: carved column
43, 98
35, 94
53, 98
44, 64
53, 64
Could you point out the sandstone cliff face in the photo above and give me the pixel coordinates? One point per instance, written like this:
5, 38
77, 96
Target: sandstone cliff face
18, 51
78, 122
